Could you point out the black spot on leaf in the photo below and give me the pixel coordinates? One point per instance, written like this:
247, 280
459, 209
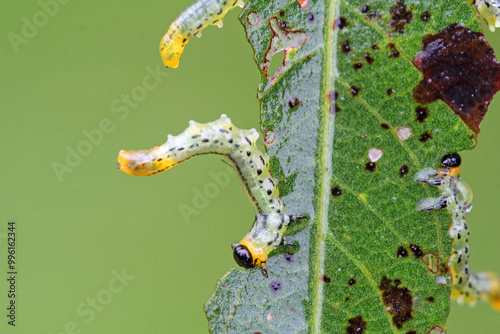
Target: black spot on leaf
460, 68
346, 46
422, 113
336, 191
402, 252
403, 170
293, 102
385, 126
356, 325
357, 65
398, 300
341, 23
326, 279
424, 137
352, 281
390, 91
370, 166
425, 16
400, 16
368, 58
354, 91
417, 250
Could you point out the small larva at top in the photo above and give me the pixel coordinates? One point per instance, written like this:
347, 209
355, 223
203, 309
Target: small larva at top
251, 166
490, 11
191, 22
456, 196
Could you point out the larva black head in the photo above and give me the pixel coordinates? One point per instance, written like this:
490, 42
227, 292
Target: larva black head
243, 257
451, 160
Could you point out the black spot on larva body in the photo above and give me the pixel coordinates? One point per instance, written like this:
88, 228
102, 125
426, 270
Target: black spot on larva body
289, 257
310, 17
205, 140
269, 191
275, 286
368, 58
336, 191
346, 46
430, 299
460, 68
417, 250
400, 16
370, 166
195, 136
390, 91
357, 65
351, 282
425, 16
402, 252
293, 102
357, 325
385, 126
424, 137
398, 300
354, 90
403, 170
259, 171
326, 279
249, 153
422, 113
341, 23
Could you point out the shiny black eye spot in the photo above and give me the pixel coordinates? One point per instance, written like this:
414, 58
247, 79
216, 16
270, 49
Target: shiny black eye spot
451, 160
243, 257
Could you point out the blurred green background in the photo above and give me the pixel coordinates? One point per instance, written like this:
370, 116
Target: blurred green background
89, 66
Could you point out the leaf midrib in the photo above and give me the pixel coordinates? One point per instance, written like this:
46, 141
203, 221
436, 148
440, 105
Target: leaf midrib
330, 58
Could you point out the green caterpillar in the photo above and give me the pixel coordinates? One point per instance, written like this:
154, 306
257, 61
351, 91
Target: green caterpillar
251, 166
190, 23
456, 196
490, 11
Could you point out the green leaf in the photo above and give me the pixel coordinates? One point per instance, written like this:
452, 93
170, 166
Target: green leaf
344, 90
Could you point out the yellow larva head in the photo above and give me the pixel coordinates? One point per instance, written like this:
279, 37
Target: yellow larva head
171, 49
143, 163
247, 255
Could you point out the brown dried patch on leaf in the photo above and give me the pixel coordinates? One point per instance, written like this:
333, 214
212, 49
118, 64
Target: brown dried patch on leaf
460, 68
283, 40
398, 300
400, 16
357, 325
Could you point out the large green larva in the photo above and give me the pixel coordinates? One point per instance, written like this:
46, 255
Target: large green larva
251, 166
456, 196
190, 23
490, 11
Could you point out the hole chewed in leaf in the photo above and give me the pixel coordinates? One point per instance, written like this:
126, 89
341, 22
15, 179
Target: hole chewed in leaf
431, 261
303, 3
282, 40
398, 300
460, 68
